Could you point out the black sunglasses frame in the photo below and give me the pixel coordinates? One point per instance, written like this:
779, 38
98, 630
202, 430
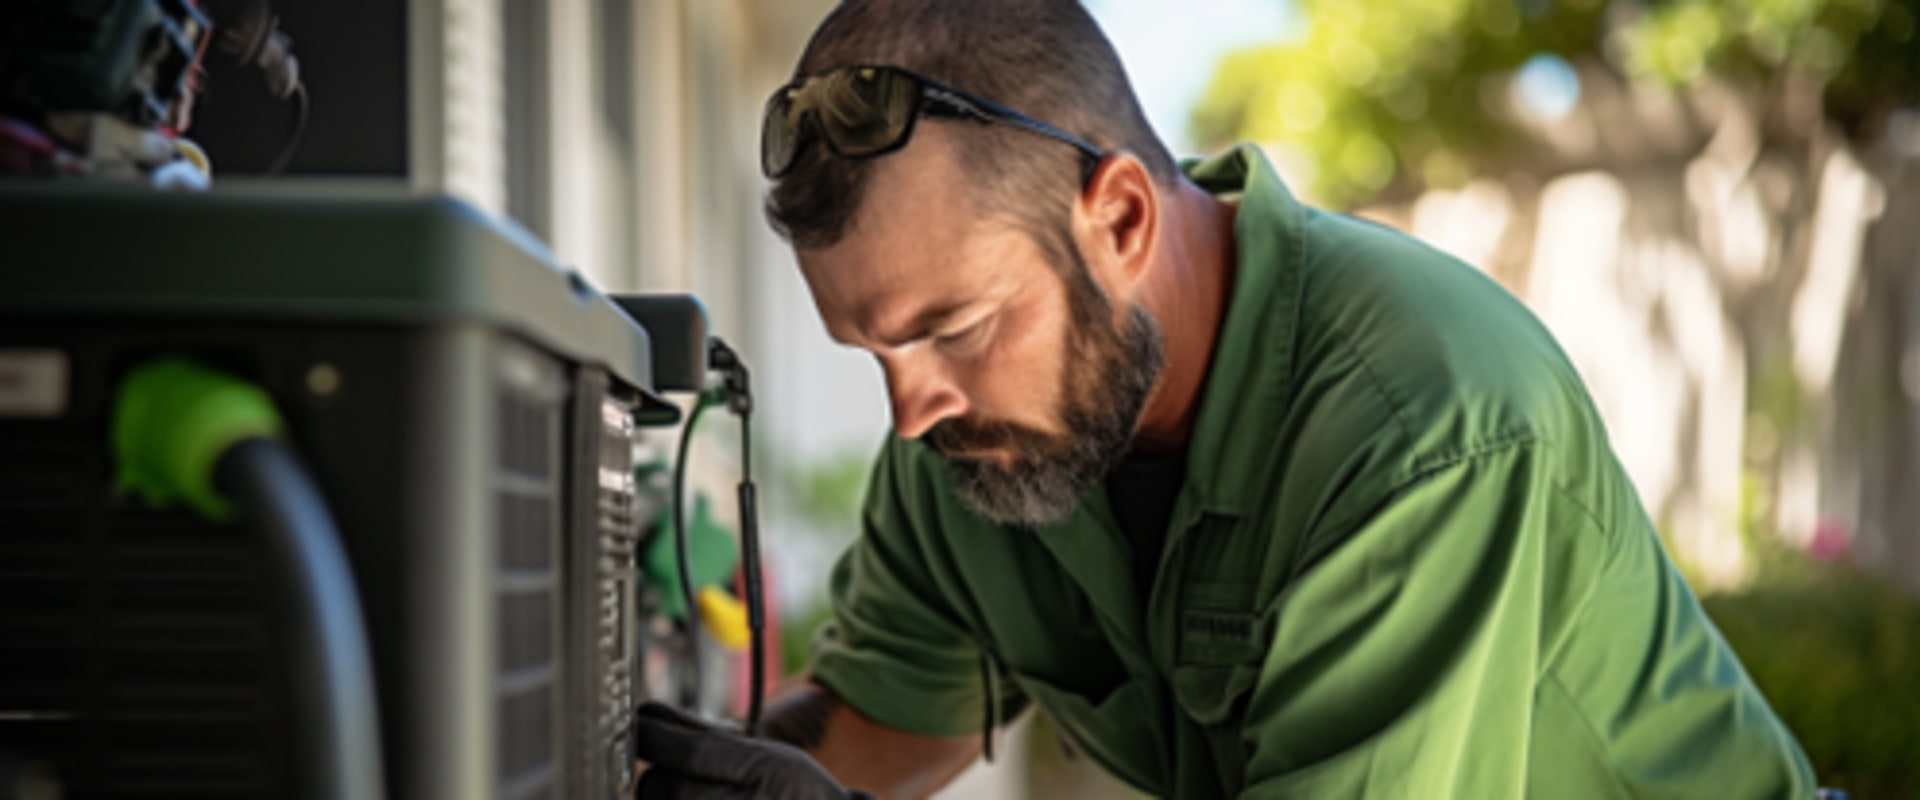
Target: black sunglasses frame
933, 97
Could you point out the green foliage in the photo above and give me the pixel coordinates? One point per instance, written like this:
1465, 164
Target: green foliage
1414, 92
1835, 652
1681, 41
1380, 89
828, 492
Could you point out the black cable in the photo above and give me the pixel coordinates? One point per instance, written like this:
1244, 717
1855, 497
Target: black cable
299, 131
750, 565
690, 695
738, 391
331, 663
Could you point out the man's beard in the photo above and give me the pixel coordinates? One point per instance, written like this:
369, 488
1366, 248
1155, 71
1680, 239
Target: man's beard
1110, 369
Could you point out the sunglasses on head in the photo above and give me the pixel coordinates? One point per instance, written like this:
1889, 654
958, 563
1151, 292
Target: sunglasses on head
866, 111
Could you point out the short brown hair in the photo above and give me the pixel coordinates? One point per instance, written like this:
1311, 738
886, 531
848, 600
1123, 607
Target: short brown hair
1046, 58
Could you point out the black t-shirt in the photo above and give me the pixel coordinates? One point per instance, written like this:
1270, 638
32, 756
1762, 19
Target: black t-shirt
1141, 492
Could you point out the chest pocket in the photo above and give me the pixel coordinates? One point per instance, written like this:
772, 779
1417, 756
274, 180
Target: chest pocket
1121, 730
1220, 640
1220, 646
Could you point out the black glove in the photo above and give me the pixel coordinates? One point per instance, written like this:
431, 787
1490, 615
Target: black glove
688, 759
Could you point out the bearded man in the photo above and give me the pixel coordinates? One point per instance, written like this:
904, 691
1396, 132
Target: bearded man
1250, 498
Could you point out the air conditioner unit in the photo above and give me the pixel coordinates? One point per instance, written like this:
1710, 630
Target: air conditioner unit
467, 410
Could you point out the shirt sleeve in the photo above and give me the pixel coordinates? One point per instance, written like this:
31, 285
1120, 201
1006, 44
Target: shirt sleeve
896, 648
1482, 634
1402, 663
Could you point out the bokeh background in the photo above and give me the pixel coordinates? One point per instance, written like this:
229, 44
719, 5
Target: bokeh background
1714, 204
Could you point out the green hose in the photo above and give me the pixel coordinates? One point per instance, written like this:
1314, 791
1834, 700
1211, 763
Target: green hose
188, 433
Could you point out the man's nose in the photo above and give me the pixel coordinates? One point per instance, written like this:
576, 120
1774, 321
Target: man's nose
923, 395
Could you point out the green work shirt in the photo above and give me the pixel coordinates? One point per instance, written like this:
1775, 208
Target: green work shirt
1404, 563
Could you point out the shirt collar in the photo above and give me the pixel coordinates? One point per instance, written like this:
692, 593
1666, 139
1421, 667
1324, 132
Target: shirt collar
1235, 434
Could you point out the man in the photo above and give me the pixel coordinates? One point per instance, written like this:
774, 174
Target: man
1251, 499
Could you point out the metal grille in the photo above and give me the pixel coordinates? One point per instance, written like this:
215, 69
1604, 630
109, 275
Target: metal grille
138, 651
599, 547
527, 493
617, 533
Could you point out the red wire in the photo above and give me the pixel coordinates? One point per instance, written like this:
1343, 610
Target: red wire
194, 73
19, 133
23, 147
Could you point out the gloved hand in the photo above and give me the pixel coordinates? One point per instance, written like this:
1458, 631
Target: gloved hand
688, 759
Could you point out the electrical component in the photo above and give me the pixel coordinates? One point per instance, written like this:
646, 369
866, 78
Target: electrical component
254, 38
736, 393
737, 389
133, 59
109, 83
101, 89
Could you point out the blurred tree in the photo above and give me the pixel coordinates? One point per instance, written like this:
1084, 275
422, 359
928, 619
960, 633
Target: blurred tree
1764, 144
1389, 96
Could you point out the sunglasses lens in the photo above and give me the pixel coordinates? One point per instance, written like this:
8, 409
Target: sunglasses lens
861, 111
865, 110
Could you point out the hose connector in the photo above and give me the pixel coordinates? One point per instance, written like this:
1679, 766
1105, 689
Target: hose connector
172, 421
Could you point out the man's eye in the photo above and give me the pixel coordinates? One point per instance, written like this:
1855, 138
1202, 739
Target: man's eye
965, 338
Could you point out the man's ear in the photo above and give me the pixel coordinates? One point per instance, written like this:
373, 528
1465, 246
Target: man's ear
1119, 217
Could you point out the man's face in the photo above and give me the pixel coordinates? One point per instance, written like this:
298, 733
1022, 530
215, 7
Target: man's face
1018, 371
